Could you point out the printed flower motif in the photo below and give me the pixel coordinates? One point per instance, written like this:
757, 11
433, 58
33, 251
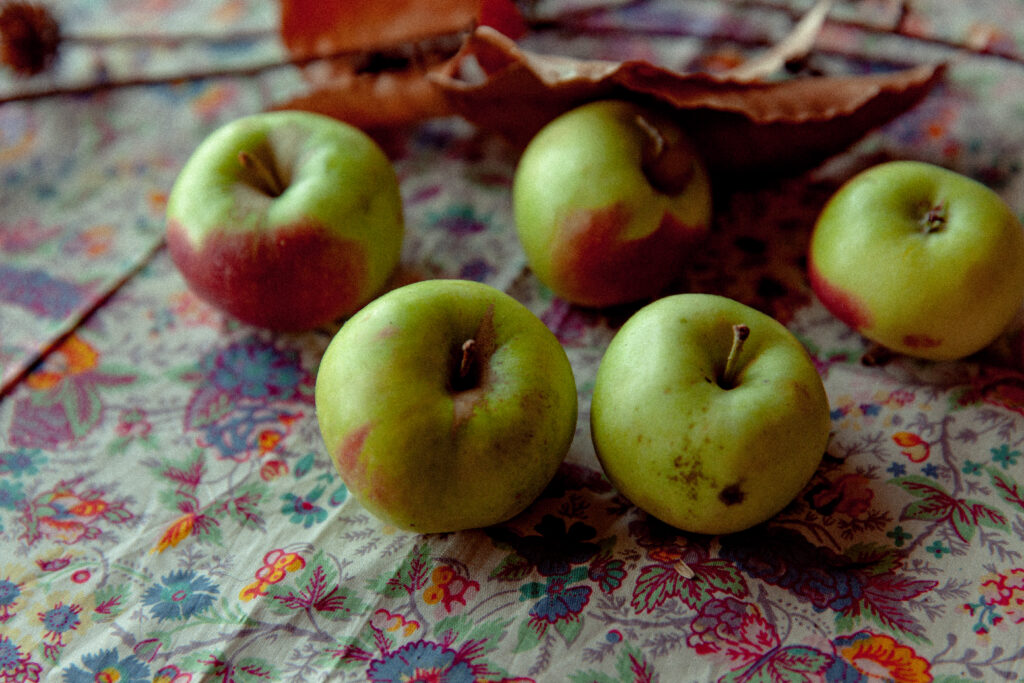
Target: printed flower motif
180, 595
304, 511
607, 573
276, 564
558, 601
866, 656
59, 620
172, 674
66, 400
1006, 590
21, 461
421, 661
253, 369
1004, 456
67, 514
75, 357
733, 630
133, 424
448, 588
39, 292
11, 495
383, 620
15, 666
9, 594
246, 430
106, 665
912, 446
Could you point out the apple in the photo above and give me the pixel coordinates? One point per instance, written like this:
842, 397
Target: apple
446, 405
608, 199
708, 414
919, 259
286, 219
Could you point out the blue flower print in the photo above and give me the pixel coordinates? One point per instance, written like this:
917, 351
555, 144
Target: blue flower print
557, 600
10, 495
421, 661
303, 511
255, 370
180, 595
106, 665
9, 594
21, 461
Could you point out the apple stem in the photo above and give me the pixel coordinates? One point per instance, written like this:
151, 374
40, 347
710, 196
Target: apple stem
269, 181
668, 168
934, 219
740, 333
468, 363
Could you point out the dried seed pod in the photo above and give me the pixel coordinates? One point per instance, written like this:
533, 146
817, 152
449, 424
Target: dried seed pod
29, 36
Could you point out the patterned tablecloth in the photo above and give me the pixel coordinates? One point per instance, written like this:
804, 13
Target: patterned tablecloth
168, 511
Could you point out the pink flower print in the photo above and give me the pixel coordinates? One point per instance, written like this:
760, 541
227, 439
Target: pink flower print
732, 631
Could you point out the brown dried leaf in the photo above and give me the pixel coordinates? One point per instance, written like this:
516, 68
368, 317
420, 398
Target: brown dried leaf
316, 27
741, 127
378, 53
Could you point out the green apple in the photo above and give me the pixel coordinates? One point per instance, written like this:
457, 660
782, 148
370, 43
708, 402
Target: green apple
446, 405
708, 414
919, 259
608, 200
286, 220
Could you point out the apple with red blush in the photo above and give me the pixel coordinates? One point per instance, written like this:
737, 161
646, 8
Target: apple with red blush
919, 259
287, 220
446, 405
608, 200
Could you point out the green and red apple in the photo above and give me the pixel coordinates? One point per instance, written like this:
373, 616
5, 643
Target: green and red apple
919, 259
446, 405
608, 200
708, 414
286, 220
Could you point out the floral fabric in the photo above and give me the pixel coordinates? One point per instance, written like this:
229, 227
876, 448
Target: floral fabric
168, 511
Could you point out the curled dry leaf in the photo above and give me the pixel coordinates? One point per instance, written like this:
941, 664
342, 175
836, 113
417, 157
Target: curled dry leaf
741, 126
394, 62
377, 54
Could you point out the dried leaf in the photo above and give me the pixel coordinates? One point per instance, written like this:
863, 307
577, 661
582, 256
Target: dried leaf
315, 27
380, 53
744, 127
375, 101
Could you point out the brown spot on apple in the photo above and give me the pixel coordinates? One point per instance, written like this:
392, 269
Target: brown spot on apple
287, 279
599, 267
732, 495
841, 304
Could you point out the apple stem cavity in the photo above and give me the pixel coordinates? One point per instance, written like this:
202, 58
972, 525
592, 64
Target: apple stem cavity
667, 167
740, 333
268, 181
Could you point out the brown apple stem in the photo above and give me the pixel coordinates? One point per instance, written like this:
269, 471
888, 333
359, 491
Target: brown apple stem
269, 181
740, 333
934, 220
667, 167
468, 363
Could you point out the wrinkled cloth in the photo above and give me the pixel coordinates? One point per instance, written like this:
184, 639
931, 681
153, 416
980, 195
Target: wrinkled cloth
168, 511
